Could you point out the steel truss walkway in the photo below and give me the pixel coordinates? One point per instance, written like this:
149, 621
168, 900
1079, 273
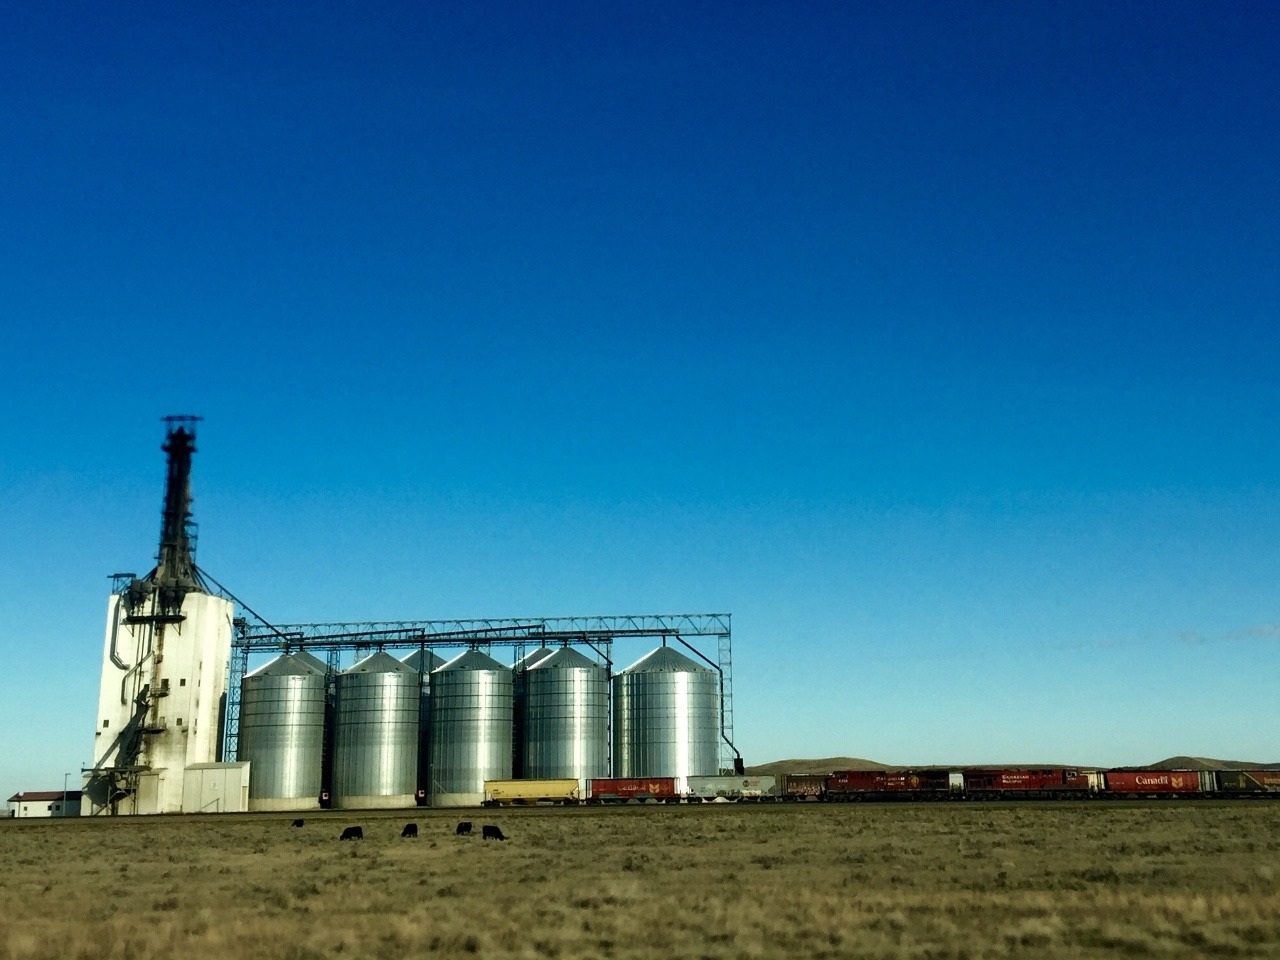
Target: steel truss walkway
694, 631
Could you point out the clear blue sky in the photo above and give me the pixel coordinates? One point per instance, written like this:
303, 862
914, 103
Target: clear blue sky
937, 343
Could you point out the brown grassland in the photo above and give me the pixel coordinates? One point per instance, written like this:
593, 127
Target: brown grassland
949, 880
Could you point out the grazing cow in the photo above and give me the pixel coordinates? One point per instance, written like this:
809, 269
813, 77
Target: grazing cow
352, 833
464, 829
299, 822
490, 832
410, 830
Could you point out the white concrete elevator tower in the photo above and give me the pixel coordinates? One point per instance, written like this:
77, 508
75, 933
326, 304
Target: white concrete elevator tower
164, 664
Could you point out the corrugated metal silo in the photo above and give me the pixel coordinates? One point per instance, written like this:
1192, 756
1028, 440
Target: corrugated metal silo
566, 718
282, 711
518, 672
375, 742
326, 766
471, 731
423, 662
666, 718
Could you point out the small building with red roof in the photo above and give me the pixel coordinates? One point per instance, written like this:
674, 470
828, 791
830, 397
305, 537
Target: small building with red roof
45, 803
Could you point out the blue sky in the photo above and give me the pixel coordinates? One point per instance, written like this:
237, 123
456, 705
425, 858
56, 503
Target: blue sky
938, 345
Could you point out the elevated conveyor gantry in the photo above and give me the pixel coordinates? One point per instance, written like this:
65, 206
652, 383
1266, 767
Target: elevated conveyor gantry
697, 632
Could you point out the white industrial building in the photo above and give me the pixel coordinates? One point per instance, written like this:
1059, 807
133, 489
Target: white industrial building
165, 657
160, 703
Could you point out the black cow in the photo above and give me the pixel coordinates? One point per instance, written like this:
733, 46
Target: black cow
410, 830
464, 829
299, 822
490, 832
352, 833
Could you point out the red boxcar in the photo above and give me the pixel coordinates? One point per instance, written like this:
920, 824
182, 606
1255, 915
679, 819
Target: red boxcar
884, 785
1155, 781
1050, 782
622, 789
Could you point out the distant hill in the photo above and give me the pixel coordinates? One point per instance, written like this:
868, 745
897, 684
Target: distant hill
814, 766
1208, 763
830, 764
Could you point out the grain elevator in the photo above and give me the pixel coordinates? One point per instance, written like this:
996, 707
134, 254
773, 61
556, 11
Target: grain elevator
164, 670
304, 729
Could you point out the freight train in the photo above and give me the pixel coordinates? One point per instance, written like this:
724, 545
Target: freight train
614, 790
1053, 783
867, 786
861, 786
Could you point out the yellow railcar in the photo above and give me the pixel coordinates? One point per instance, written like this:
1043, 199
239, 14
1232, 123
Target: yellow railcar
513, 793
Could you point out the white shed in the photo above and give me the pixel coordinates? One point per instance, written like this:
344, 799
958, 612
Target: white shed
216, 788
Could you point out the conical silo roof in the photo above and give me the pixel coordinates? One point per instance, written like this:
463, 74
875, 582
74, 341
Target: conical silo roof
380, 662
471, 660
666, 660
566, 658
529, 659
312, 659
289, 665
423, 661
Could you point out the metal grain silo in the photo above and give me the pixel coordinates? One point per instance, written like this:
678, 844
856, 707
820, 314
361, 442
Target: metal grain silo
375, 736
423, 662
282, 711
518, 671
666, 718
470, 728
566, 718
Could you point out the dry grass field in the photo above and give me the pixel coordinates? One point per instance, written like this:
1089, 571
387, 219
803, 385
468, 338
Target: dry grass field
955, 880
